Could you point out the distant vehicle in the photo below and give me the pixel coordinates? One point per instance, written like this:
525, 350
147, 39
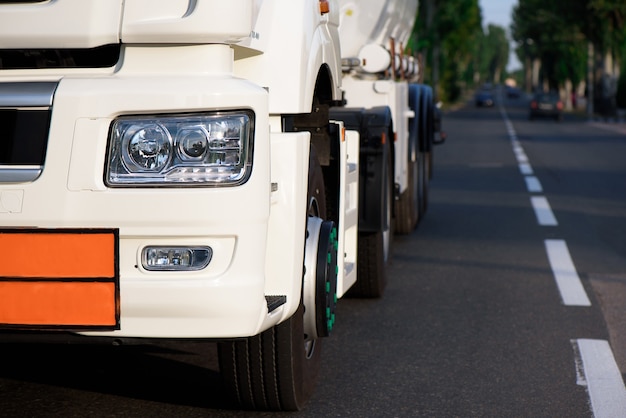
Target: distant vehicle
546, 105
513, 92
484, 98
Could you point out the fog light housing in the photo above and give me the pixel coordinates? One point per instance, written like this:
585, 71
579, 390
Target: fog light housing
178, 258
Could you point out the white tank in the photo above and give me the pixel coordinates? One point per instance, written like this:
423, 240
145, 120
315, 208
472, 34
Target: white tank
366, 22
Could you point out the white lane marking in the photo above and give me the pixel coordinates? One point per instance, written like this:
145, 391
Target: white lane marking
596, 366
602, 377
533, 185
526, 169
567, 280
544, 214
520, 155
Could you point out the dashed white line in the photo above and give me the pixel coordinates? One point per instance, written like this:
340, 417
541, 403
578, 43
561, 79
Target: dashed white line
602, 377
565, 274
520, 155
526, 169
543, 211
533, 185
595, 363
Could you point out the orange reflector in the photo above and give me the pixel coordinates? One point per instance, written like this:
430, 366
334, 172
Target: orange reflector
58, 254
324, 7
59, 279
383, 138
58, 304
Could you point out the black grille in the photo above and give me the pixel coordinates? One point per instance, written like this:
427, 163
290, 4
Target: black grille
23, 136
99, 57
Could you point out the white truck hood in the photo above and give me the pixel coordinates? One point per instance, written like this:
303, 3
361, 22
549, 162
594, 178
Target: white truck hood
38, 24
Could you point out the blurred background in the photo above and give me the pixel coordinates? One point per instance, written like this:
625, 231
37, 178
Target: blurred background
576, 48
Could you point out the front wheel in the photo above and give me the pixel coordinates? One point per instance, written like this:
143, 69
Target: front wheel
273, 371
277, 369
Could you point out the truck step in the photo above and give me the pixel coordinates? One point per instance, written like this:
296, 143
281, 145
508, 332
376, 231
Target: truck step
273, 302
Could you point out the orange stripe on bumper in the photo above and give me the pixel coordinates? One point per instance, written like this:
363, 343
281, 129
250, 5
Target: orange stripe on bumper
57, 255
58, 303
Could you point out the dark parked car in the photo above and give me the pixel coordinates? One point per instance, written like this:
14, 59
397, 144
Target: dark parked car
513, 92
484, 98
546, 105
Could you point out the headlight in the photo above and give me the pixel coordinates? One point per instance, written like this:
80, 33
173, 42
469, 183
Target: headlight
205, 150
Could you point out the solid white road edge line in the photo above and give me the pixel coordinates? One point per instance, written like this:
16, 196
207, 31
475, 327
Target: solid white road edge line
544, 214
567, 280
597, 369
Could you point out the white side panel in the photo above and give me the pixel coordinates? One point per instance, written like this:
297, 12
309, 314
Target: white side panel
348, 213
60, 24
286, 227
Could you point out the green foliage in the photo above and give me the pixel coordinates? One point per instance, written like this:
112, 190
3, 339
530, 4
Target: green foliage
557, 33
495, 53
456, 50
551, 32
458, 53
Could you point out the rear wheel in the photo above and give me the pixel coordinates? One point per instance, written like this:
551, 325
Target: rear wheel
407, 207
277, 369
423, 184
374, 249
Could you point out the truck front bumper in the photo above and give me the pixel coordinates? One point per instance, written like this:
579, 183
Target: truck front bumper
224, 300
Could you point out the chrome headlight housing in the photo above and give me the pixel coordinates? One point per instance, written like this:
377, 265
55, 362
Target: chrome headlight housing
212, 149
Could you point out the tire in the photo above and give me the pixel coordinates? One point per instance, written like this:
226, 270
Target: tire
374, 249
423, 185
277, 369
272, 371
429, 164
407, 207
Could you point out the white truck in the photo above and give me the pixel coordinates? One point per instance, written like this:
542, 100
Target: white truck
193, 169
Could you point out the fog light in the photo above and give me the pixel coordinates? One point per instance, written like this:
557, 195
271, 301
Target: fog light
175, 258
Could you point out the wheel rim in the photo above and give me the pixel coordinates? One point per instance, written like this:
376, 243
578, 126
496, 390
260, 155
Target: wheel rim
316, 212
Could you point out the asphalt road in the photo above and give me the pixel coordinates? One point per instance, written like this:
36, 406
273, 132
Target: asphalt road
477, 320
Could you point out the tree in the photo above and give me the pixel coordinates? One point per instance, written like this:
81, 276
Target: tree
445, 35
558, 35
495, 46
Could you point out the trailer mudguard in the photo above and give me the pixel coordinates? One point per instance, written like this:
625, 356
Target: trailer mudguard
376, 141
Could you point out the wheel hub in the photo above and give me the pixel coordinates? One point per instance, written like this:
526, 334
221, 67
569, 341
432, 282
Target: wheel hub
320, 278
